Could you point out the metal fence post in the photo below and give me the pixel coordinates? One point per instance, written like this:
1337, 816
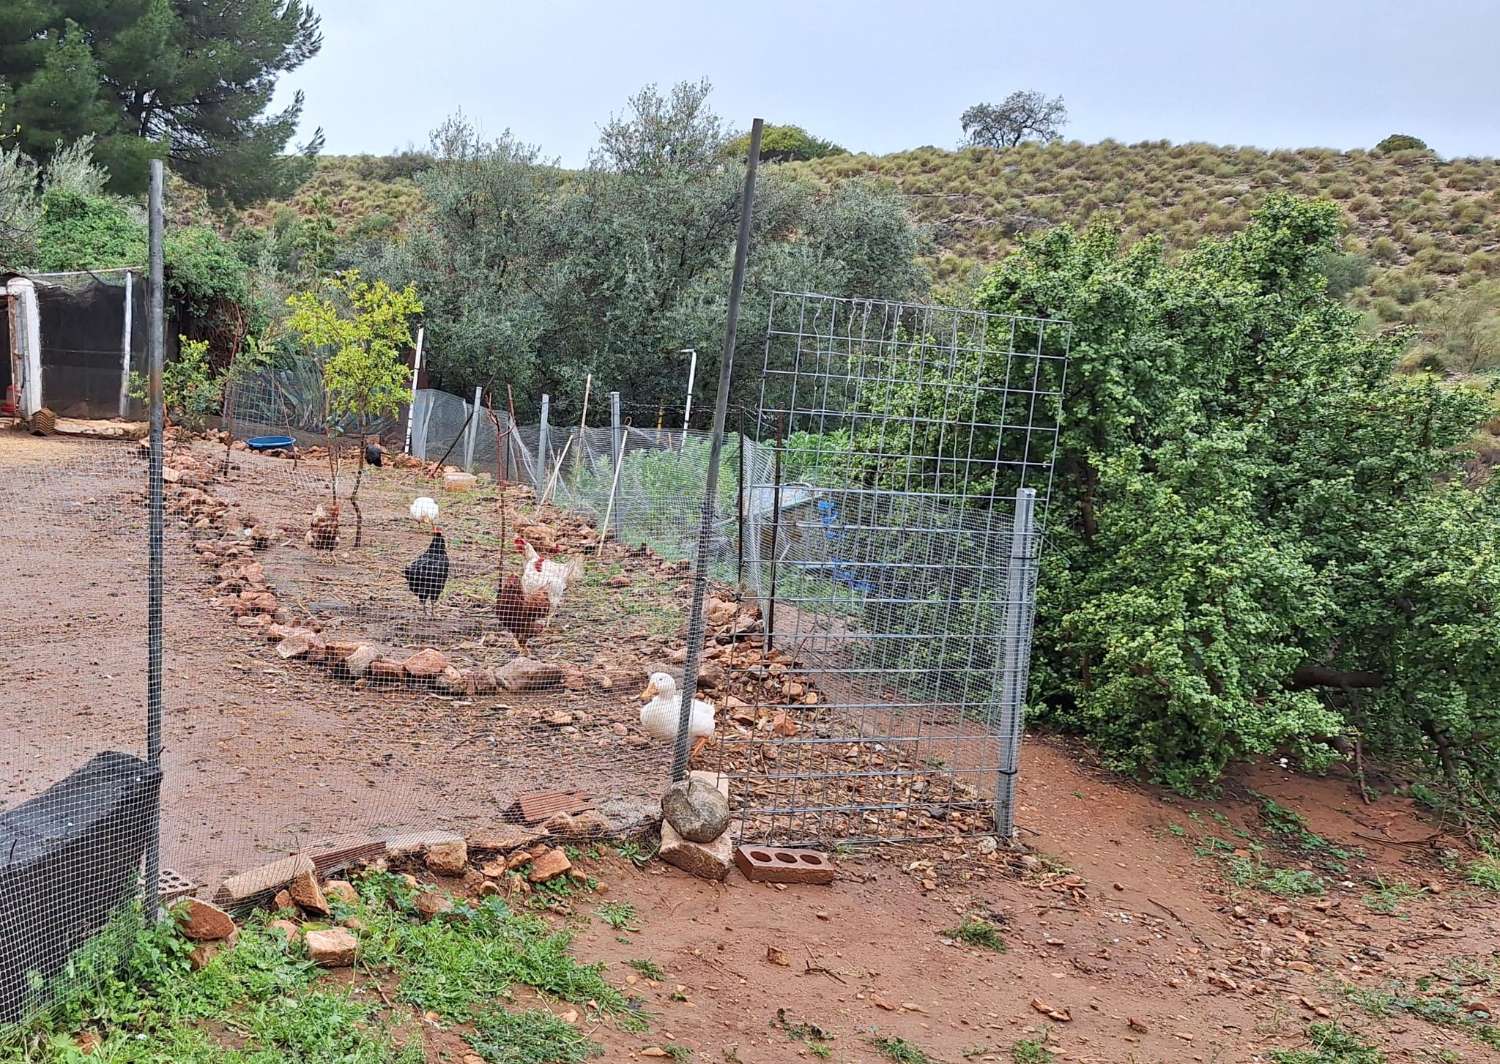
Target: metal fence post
125, 342
543, 449
616, 453
156, 340
1020, 610
473, 431
682, 750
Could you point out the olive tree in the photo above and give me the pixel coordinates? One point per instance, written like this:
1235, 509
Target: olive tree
359, 331
1023, 115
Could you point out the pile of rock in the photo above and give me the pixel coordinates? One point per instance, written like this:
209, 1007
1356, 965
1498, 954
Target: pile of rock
696, 834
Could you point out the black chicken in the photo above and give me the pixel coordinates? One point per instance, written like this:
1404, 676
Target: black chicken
427, 574
374, 454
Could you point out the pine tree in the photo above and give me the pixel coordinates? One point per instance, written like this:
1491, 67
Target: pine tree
189, 80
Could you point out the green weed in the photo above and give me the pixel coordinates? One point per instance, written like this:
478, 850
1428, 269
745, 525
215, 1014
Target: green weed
649, 969
901, 1051
1030, 1051
1485, 872
978, 933
1330, 1044
1387, 897
619, 915
536, 1037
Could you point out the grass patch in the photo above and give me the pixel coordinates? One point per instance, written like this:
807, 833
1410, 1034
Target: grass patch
268, 1002
649, 969
619, 915
1329, 1044
1387, 897
1292, 832
1254, 873
1030, 1051
536, 1037
900, 1050
1485, 872
978, 933
1434, 999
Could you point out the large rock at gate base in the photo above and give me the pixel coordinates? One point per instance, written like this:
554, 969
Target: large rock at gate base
549, 865
706, 860
202, 922
333, 948
696, 810
528, 674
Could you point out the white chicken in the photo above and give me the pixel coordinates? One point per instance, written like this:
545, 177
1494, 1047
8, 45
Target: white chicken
544, 574
424, 510
663, 708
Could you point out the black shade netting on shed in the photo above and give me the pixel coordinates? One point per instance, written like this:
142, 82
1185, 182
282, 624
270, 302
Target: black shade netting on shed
87, 353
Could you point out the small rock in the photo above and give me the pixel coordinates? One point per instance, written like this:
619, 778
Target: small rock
384, 671
283, 900
430, 904
333, 948
356, 665
698, 811
528, 674
202, 922
305, 892
425, 665
1281, 916
988, 844
287, 928
448, 858
341, 890
549, 865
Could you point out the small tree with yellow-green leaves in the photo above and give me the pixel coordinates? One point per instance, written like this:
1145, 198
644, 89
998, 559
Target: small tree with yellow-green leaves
358, 331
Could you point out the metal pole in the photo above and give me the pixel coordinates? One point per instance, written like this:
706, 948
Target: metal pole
416, 372
687, 404
125, 342
616, 455
1015, 655
711, 486
739, 511
775, 535
155, 339
473, 431
543, 457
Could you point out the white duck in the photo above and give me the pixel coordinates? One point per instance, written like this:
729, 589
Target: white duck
663, 707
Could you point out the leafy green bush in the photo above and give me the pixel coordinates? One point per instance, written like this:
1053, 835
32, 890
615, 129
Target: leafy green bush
1248, 515
1401, 142
190, 389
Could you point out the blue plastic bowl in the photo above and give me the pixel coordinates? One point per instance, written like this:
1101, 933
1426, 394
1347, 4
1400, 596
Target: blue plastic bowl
269, 443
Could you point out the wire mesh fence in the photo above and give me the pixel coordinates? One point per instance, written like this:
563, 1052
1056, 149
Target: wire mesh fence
895, 533
368, 648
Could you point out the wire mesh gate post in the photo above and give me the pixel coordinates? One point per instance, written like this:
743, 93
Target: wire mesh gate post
897, 521
1015, 646
157, 342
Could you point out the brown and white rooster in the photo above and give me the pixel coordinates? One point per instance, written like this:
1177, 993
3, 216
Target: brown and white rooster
524, 604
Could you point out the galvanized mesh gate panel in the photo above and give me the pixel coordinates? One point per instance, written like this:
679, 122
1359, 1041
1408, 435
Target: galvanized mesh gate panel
893, 507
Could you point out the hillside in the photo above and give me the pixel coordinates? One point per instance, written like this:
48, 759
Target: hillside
1423, 224
1418, 225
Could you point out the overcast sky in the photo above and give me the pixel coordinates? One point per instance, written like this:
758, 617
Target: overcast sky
883, 75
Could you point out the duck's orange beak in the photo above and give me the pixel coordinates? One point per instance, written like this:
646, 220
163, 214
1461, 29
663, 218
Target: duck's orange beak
649, 693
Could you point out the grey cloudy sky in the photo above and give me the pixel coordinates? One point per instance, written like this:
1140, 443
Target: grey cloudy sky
881, 76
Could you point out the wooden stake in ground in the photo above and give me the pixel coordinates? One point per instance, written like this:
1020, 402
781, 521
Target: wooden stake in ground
583, 419
556, 469
610, 509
